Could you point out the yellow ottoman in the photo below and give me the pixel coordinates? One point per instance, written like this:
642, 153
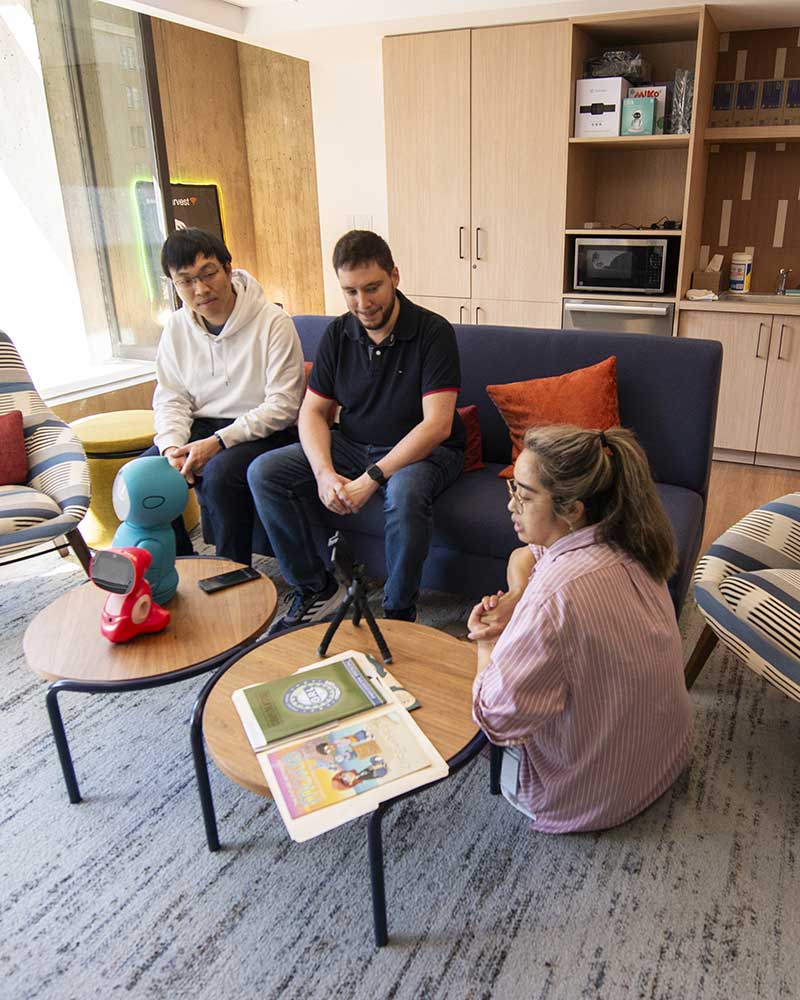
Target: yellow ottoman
110, 440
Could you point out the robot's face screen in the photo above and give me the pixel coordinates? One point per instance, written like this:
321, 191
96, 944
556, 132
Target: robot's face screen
120, 498
151, 503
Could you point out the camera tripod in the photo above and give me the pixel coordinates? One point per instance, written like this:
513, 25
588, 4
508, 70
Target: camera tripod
351, 574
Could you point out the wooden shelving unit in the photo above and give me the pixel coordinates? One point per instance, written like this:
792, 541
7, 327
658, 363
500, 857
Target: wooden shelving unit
621, 142
753, 133
625, 181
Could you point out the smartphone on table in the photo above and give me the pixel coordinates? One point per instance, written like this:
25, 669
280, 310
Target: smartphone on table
231, 579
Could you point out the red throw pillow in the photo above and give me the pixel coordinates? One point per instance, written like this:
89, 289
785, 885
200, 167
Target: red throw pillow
308, 365
586, 397
473, 453
13, 457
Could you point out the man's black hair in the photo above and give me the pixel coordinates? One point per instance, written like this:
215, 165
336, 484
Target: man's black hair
182, 247
360, 247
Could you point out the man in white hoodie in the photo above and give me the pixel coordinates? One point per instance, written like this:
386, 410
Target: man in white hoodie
230, 382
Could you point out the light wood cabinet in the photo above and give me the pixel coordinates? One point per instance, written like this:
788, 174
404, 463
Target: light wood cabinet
779, 429
520, 121
758, 419
494, 312
476, 143
454, 310
427, 109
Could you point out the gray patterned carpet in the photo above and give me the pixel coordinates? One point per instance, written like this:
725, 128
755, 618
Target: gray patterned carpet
119, 897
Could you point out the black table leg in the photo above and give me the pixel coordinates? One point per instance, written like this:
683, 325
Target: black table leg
495, 763
201, 773
375, 842
60, 736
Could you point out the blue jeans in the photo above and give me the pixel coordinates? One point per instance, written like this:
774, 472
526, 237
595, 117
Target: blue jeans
282, 482
222, 491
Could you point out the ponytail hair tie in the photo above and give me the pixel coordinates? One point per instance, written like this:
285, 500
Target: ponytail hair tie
603, 442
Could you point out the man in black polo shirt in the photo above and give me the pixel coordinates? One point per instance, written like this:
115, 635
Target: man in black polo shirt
394, 370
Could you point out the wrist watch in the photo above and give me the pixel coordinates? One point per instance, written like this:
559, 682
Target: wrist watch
375, 474
220, 442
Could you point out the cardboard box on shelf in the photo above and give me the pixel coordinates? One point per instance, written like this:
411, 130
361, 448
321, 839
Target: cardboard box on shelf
598, 105
745, 107
638, 114
713, 281
791, 105
660, 92
722, 104
770, 105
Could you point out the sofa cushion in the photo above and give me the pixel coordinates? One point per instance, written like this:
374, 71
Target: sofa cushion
586, 397
13, 456
473, 453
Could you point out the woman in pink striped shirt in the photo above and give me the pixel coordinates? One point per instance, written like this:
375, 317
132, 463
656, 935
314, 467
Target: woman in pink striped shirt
580, 669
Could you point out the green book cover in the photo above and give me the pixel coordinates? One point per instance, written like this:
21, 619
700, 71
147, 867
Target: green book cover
311, 698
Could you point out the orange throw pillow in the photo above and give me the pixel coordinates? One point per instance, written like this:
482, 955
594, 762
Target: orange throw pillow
586, 397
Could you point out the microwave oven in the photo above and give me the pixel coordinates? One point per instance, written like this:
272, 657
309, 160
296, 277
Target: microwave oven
636, 266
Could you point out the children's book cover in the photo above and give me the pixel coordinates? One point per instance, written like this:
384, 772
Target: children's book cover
311, 698
346, 762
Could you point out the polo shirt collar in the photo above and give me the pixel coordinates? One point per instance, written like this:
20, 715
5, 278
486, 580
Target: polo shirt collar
404, 329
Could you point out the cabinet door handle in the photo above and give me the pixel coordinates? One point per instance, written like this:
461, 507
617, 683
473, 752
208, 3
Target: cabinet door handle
780, 345
478, 312
477, 244
758, 342
461, 313
460, 242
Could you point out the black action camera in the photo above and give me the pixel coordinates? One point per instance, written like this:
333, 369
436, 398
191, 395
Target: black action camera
344, 565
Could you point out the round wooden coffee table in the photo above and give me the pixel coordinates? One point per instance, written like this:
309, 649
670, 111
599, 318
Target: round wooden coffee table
434, 666
63, 642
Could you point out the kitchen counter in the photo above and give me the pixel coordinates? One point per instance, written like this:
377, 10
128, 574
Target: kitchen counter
781, 305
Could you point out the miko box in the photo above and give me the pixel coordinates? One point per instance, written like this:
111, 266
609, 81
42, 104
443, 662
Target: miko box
598, 105
660, 92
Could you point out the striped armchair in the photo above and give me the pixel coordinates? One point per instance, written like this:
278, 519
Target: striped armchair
747, 586
55, 497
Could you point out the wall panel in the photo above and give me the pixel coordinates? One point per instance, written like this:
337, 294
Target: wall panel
276, 100
198, 77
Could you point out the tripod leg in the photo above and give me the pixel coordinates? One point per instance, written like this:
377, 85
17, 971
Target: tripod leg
377, 635
338, 618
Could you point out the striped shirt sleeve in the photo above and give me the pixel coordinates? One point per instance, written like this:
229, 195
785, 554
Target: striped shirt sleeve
524, 686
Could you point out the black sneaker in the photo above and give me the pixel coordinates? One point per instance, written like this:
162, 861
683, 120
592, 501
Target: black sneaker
310, 607
401, 614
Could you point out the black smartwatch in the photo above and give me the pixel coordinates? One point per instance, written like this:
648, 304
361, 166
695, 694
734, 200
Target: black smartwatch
375, 474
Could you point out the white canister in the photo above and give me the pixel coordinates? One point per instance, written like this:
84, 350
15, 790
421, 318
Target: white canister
741, 269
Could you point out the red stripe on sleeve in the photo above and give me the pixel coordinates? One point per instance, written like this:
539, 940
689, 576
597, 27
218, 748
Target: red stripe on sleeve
451, 388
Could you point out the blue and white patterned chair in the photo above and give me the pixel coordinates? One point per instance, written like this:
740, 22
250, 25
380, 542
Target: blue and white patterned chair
55, 497
747, 586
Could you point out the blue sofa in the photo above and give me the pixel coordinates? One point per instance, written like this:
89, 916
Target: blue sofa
667, 391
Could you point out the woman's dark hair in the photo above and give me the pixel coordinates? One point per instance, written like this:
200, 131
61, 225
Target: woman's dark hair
182, 247
360, 247
610, 474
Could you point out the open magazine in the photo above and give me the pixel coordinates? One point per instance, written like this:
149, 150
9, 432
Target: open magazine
336, 772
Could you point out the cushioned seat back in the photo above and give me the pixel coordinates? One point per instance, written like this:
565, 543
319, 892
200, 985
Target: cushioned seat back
667, 386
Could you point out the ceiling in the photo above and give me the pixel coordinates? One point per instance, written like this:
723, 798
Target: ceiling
302, 27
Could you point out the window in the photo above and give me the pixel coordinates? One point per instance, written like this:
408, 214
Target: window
107, 166
127, 55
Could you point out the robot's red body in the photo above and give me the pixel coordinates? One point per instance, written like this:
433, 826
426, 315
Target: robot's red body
129, 609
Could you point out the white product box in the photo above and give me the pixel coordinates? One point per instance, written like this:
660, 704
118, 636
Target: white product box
659, 92
598, 105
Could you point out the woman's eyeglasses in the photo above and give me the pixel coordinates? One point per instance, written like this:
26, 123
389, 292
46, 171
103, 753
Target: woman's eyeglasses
513, 492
